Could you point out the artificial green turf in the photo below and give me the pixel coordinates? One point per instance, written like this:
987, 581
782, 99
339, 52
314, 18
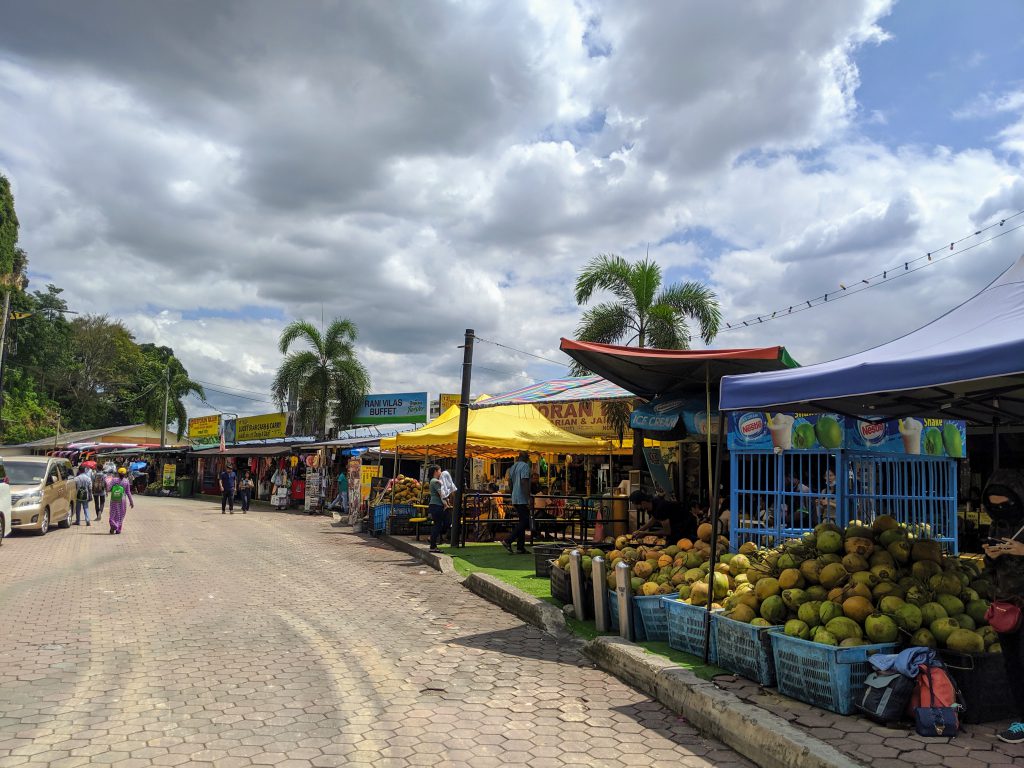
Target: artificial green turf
518, 570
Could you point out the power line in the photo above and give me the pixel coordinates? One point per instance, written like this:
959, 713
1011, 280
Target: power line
908, 267
522, 352
235, 394
225, 386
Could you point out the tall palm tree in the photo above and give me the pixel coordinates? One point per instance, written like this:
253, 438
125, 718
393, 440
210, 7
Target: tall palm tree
644, 312
327, 378
164, 371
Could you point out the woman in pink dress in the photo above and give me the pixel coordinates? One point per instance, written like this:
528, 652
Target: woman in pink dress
119, 491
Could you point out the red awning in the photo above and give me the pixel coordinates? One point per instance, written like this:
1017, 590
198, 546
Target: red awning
651, 372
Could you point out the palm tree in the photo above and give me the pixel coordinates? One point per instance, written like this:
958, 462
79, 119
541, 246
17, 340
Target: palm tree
165, 372
328, 379
644, 312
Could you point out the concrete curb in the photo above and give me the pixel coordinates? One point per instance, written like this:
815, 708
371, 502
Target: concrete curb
767, 739
441, 563
527, 607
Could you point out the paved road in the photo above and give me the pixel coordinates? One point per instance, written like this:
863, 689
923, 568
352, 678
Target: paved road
275, 639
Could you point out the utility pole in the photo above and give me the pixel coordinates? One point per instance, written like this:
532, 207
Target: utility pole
460, 451
167, 396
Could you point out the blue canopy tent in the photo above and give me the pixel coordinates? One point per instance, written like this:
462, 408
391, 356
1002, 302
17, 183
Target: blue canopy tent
967, 364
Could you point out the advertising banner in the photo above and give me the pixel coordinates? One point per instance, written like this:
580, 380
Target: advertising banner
656, 465
204, 428
265, 427
665, 415
398, 408
447, 400
759, 431
586, 418
170, 475
366, 474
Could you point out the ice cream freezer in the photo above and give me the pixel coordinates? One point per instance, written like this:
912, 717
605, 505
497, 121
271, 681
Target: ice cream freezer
791, 471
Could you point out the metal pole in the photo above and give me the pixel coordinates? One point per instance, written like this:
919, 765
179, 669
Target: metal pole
624, 594
576, 581
707, 396
600, 575
714, 536
460, 451
4, 322
167, 396
995, 444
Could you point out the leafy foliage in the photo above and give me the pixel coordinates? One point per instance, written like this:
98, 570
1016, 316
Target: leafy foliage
327, 378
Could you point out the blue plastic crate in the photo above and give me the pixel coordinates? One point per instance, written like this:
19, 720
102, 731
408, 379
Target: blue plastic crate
744, 649
823, 675
384, 512
654, 617
613, 614
687, 629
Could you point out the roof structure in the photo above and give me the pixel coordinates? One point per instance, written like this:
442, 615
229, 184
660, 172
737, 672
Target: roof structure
967, 364
650, 372
143, 434
558, 391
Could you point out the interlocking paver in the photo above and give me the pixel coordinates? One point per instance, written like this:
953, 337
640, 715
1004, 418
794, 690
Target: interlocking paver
277, 639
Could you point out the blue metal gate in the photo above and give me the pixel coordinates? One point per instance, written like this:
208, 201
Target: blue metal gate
781, 496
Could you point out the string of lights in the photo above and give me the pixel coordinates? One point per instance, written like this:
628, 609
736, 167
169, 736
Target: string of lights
909, 267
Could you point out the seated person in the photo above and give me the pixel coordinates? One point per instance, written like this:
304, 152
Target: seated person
675, 521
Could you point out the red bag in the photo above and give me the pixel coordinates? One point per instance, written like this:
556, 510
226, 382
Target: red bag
936, 689
1003, 617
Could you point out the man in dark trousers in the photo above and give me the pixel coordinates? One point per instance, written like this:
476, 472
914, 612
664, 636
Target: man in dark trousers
519, 487
227, 489
675, 521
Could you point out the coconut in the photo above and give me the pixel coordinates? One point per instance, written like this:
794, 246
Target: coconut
828, 611
844, 628
909, 617
817, 592
759, 622
823, 636
855, 563
765, 588
925, 639
917, 596
881, 628
893, 534
988, 635
900, 551
808, 613
742, 613
794, 598
855, 545
951, 603
810, 569
880, 557
705, 532
857, 608
925, 569
945, 584
932, 612
833, 575
890, 604
786, 561
829, 542
867, 578
797, 628
699, 593
857, 590
746, 548
887, 589
977, 609
926, 550
884, 523
942, 629
884, 571
790, 578
684, 592
965, 621
774, 610
739, 564
829, 559
853, 642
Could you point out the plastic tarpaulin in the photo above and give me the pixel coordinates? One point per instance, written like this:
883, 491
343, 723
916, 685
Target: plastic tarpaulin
568, 389
967, 364
493, 433
649, 372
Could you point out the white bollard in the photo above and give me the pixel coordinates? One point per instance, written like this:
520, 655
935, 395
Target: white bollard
600, 574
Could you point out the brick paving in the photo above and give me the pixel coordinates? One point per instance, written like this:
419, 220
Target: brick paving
276, 639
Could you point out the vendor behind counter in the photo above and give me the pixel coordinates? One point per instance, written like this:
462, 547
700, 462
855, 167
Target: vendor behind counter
673, 516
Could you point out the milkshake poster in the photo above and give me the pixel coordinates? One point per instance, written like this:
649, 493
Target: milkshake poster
760, 431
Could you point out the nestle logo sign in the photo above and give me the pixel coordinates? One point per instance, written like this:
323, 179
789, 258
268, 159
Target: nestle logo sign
751, 425
872, 431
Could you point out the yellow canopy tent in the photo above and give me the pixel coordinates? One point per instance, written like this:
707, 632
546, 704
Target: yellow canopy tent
493, 433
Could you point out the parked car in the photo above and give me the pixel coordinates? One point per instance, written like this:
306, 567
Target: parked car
5, 504
39, 490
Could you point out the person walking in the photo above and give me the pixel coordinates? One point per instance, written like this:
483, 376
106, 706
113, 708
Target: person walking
119, 488
519, 485
436, 509
227, 489
83, 495
341, 500
245, 486
99, 494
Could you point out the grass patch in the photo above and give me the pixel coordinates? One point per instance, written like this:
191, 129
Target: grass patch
518, 570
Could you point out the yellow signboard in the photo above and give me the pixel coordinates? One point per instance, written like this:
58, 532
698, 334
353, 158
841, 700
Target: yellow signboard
581, 417
170, 474
263, 427
366, 475
204, 426
447, 401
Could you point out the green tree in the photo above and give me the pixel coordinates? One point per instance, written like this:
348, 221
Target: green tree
327, 377
643, 311
162, 371
8, 228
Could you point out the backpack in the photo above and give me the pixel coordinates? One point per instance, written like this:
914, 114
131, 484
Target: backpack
116, 491
886, 695
83, 492
935, 703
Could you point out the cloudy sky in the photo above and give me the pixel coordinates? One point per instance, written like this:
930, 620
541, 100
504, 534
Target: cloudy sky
424, 167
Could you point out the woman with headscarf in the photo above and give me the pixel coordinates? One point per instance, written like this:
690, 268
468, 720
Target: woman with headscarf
119, 488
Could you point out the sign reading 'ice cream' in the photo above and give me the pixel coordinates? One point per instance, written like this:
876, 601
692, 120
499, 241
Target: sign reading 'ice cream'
760, 431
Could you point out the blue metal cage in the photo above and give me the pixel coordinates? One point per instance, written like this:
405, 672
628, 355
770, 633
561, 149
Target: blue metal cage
779, 496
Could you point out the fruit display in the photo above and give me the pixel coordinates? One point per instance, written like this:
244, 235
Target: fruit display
657, 567
407, 490
882, 582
